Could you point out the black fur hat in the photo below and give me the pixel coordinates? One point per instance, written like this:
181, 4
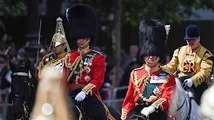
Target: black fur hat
152, 36
82, 21
192, 32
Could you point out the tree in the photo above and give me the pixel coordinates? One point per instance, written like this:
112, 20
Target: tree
12, 8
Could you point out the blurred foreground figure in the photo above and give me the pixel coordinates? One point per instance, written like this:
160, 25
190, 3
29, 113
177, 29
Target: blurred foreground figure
51, 102
207, 104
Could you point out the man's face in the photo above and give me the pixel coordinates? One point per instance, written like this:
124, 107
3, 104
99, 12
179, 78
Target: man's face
59, 48
151, 61
194, 43
83, 43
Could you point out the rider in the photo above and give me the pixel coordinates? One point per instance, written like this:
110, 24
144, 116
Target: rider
192, 62
87, 66
58, 46
150, 87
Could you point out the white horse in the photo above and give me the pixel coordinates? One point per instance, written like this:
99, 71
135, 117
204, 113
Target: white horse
206, 109
183, 105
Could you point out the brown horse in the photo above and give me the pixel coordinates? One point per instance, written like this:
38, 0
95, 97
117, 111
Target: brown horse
23, 89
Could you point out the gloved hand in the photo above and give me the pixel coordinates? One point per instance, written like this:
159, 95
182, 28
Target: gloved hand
147, 110
188, 82
80, 96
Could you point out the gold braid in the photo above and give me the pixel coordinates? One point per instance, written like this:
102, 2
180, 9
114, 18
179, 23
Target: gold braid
74, 66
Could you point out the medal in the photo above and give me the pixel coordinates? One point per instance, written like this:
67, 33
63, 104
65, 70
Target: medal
156, 91
87, 69
87, 78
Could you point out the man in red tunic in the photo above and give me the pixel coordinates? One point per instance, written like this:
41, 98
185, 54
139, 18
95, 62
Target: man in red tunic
150, 87
86, 67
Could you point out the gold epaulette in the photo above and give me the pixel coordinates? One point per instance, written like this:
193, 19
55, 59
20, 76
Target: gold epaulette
44, 59
139, 68
67, 58
209, 55
97, 52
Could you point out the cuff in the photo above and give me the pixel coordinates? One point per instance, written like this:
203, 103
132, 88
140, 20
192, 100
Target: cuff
88, 88
158, 103
124, 114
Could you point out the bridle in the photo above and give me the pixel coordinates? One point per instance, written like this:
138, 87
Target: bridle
188, 98
30, 86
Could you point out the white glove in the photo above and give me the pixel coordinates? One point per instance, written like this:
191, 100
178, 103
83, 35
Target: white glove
188, 82
147, 110
80, 96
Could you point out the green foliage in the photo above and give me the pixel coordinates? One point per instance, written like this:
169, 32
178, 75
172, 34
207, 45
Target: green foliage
12, 8
165, 10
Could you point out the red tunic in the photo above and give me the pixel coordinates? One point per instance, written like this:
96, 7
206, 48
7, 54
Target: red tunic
151, 89
86, 70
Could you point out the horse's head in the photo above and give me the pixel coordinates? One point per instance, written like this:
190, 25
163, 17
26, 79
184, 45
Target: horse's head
20, 87
182, 104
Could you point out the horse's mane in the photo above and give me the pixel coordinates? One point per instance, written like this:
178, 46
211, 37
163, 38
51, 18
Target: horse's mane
180, 104
51, 91
178, 95
206, 108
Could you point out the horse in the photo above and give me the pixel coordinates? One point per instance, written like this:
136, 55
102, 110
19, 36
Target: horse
80, 114
183, 106
206, 108
23, 89
51, 98
135, 114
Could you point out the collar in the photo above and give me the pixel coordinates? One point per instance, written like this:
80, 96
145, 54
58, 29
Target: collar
60, 55
152, 70
197, 49
84, 51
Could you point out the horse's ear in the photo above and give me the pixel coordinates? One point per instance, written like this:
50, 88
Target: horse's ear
27, 65
12, 67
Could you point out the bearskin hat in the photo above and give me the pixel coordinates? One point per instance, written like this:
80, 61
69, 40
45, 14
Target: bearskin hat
152, 36
82, 22
192, 32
